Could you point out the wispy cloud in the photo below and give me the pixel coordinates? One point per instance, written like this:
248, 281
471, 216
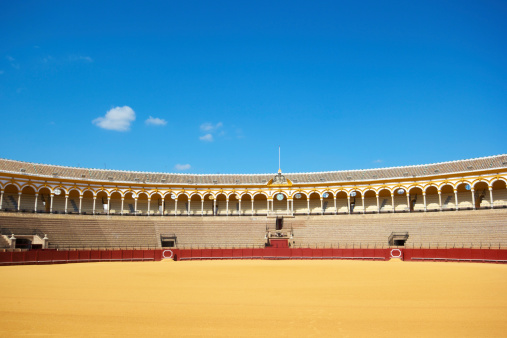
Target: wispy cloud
210, 127
80, 58
206, 138
181, 167
118, 118
13, 62
378, 161
155, 121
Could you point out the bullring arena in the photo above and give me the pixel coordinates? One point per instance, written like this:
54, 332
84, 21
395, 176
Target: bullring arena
372, 252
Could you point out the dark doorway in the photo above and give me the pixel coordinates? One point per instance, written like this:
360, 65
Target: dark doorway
23, 243
279, 223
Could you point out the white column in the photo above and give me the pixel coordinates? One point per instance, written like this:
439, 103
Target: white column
392, 199
424, 198
35, 206
149, 203
362, 199
440, 199
288, 206
378, 204
408, 201
188, 209
335, 210
267, 206
135, 205
348, 204
94, 199
239, 206
252, 206
176, 206
66, 202
122, 200
490, 197
163, 206
308, 204
2, 199
291, 205
473, 198
19, 200
51, 205
227, 207
108, 204
80, 203
321, 206
214, 207
202, 206
456, 198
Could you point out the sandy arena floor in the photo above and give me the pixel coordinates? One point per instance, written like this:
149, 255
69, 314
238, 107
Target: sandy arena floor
255, 298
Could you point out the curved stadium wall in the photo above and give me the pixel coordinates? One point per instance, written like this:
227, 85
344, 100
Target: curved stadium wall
314, 206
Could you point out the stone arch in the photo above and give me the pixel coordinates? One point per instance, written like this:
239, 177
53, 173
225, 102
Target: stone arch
260, 203
44, 200
300, 204
416, 199
181, 203
328, 204
220, 204
246, 204
342, 202
129, 202
27, 200
400, 194
356, 201
208, 199
101, 202
465, 201
115, 202
74, 200
432, 199
385, 196
447, 195
370, 201
499, 192
481, 194
195, 203
280, 205
314, 206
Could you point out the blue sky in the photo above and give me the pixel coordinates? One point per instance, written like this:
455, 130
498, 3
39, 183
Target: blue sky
216, 87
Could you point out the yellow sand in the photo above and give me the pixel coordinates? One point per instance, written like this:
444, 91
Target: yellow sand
255, 298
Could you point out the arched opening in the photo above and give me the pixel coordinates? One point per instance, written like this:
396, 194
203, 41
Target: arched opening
356, 202
27, 199
44, 200
195, 205
101, 203
279, 202
448, 199
10, 201
142, 204
221, 205
465, 196
233, 204
170, 204
385, 200
115, 207
260, 204
416, 200
314, 206
182, 208
246, 205
129, 203
481, 195
58, 201
300, 203
400, 200
370, 202
499, 194
87, 204
432, 201
73, 204
328, 203
342, 202
208, 205
155, 204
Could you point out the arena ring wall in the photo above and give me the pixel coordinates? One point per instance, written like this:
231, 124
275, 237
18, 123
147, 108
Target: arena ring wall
465, 185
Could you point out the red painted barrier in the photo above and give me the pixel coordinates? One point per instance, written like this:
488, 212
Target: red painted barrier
452, 254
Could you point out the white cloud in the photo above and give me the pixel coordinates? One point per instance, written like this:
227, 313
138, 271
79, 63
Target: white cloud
80, 58
210, 127
378, 161
155, 121
206, 138
118, 118
12, 61
181, 167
